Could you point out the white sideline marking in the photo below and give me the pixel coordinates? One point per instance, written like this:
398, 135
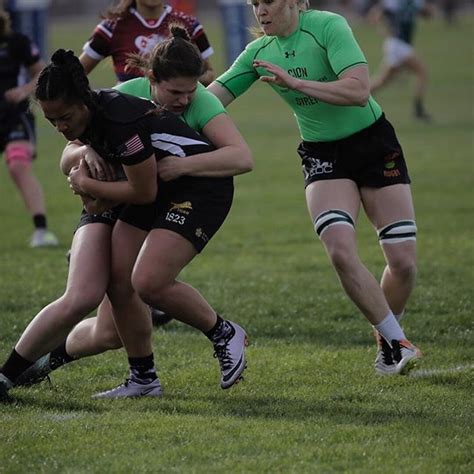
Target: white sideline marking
447, 371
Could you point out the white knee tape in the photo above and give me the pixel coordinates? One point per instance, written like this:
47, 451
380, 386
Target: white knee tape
396, 232
332, 217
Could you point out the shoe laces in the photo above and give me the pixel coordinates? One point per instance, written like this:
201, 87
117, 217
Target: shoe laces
55, 363
222, 353
386, 351
396, 350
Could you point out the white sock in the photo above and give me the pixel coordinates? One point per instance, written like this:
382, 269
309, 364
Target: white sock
390, 329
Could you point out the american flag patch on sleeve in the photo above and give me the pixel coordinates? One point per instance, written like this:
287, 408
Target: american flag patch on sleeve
131, 146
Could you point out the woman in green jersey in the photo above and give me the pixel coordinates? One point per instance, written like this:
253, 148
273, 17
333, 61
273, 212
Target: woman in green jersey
350, 156
174, 70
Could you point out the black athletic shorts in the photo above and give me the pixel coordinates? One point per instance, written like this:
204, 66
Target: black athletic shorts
17, 126
108, 217
194, 208
372, 158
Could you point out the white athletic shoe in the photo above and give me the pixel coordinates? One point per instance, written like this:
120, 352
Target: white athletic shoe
36, 373
5, 385
405, 356
230, 352
43, 238
384, 363
131, 389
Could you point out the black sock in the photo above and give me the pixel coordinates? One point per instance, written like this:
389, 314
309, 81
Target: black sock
219, 330
419, 108
59, 356
142, 369
15, 365
39, 221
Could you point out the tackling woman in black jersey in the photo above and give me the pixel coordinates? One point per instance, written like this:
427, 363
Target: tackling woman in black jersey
161, 226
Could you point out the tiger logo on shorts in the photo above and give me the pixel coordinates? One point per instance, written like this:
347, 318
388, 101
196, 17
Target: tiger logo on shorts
183, 207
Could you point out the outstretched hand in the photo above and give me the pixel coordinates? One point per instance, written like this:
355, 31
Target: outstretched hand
279, 76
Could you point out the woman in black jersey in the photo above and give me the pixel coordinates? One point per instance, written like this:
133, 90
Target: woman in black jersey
17, 124
173, 226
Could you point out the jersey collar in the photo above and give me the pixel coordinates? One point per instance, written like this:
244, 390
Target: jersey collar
155, 24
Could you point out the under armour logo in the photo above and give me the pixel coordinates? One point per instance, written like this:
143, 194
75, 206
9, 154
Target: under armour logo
288, 54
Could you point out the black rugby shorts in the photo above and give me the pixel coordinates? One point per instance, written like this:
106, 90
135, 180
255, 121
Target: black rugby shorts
17, 126
108, 217
194, 208
372, 158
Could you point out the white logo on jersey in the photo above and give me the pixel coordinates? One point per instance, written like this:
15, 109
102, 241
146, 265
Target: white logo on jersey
173, 143
145, 44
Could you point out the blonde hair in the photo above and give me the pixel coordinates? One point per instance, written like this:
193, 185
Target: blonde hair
256, 32
304, 4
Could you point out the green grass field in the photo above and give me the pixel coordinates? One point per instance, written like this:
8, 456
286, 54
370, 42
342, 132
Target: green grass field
310, 401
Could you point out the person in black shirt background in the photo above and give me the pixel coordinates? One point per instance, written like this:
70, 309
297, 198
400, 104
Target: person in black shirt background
18, 55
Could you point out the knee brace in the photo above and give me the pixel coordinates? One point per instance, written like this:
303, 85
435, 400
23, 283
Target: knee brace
332, 217
396, 232
18, 152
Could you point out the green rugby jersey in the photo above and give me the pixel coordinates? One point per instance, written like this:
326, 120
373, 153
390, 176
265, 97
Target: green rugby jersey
321, 48
204, 106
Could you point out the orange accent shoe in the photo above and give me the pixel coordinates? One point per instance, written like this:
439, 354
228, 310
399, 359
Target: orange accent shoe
405, 355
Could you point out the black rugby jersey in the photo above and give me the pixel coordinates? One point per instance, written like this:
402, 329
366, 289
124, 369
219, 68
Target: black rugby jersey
16, 51
126, 130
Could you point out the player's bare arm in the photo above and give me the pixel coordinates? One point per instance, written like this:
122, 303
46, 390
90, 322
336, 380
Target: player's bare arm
352, 87
232, 156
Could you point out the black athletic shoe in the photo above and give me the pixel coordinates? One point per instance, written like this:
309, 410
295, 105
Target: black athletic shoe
5, 385
37, 372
